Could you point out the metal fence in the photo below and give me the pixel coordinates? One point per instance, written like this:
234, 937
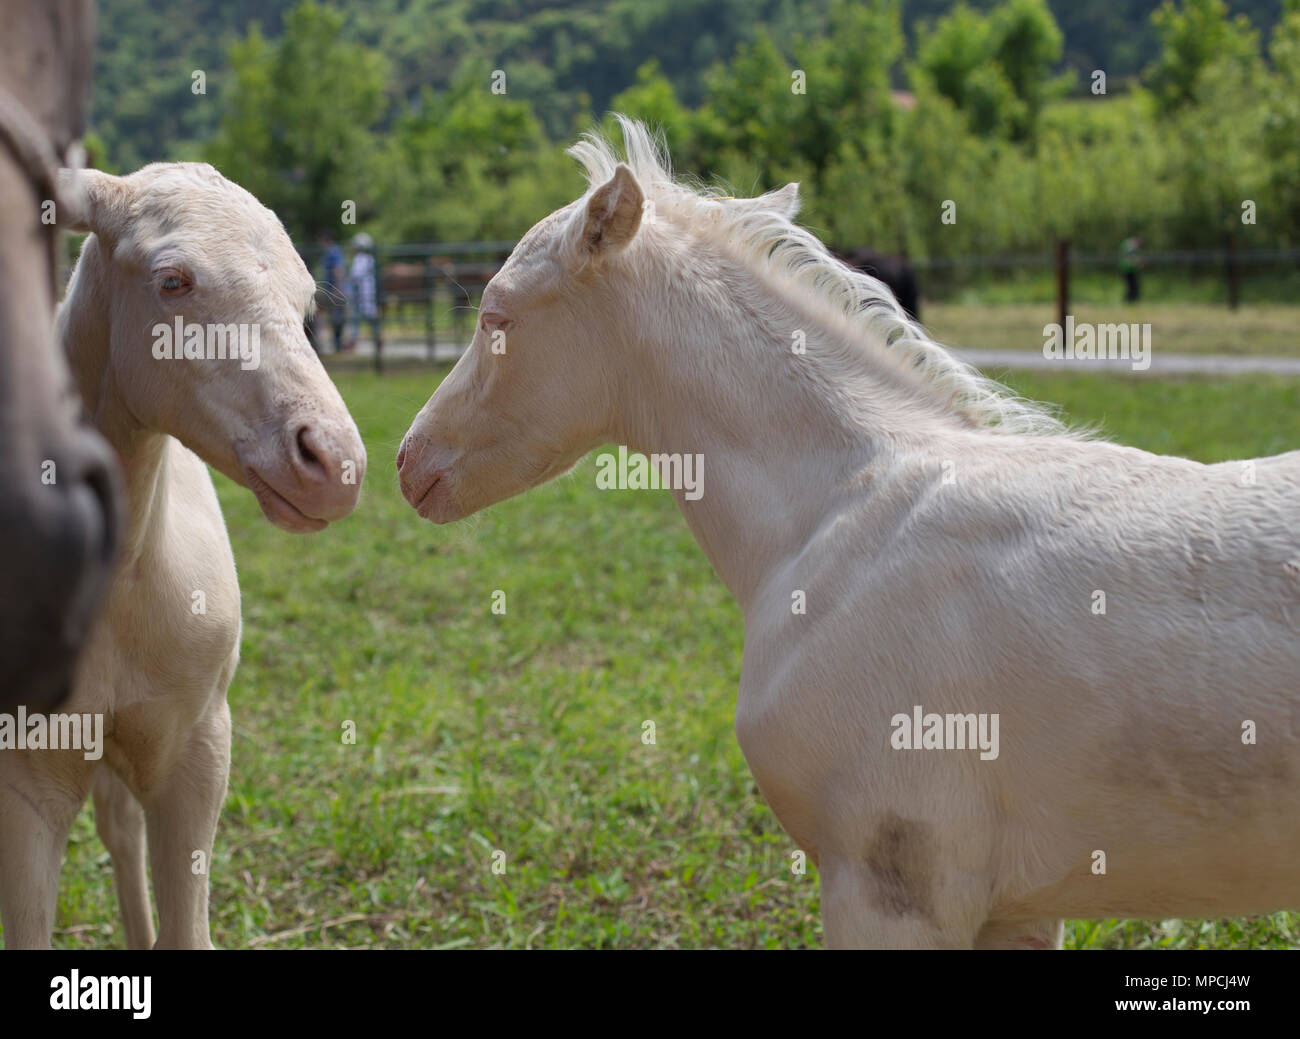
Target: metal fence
1228, 268
428, 292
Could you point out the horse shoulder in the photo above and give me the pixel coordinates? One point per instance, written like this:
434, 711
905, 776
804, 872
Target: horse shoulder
195, 571
172, 621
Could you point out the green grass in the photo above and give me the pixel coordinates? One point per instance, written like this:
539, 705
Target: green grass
522, 733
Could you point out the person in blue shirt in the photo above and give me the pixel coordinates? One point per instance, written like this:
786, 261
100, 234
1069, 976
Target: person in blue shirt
334, 282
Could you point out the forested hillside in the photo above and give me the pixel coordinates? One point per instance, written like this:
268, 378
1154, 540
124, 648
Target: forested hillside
934, 128
568, 55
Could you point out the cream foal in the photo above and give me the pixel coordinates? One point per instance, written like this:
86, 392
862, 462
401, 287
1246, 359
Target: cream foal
906, 538
174, 241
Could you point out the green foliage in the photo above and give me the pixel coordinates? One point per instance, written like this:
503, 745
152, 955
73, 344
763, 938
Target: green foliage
653, 100
579, 54
1027, 49
1281, 125
1194, 37
309, 114
955, 57
1218, 142
144, 108
998, 68
296, 129
468, 164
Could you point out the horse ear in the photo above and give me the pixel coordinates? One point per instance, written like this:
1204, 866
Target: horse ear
785, 200
613, 214
90, 200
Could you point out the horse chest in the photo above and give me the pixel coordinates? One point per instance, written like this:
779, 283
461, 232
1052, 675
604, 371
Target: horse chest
168, 639
797, 759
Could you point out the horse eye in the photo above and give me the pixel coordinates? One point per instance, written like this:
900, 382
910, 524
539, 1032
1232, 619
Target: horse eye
174, 285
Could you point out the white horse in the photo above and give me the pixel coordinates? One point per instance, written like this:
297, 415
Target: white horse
174, 243
923, 561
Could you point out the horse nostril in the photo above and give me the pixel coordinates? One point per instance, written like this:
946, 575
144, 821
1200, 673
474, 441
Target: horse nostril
308, 456
401, 454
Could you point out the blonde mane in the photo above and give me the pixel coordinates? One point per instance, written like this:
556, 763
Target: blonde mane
768, 241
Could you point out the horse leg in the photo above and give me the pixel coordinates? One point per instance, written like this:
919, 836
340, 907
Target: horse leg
181, 816
119, 818
36, 812
1021, 934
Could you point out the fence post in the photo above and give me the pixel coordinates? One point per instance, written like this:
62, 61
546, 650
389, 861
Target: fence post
1062, 280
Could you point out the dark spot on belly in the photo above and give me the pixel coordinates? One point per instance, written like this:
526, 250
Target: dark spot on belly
900, 858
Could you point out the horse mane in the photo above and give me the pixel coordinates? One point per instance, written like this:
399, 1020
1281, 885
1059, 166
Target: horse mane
763, 236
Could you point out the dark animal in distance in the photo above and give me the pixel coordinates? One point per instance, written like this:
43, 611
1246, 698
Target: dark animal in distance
894, 271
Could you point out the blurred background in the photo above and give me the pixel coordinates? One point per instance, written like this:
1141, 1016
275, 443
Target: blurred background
1051, 133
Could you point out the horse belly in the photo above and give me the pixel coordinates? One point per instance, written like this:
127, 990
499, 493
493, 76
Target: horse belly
1211, 872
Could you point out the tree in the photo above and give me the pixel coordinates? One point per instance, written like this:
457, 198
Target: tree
653, 100
1192, 37
997, 68
296, 128
1282, 122
1027, 47
468, 163
769, 119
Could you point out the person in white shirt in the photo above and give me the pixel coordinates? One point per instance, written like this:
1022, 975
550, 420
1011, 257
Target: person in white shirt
362, 296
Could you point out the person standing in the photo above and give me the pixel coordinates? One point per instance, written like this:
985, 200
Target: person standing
362, 293
334, 284
1130, 262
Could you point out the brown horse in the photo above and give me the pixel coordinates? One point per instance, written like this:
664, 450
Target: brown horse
58, 479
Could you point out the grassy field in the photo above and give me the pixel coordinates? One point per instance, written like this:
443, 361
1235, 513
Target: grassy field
1271, 329
521, 733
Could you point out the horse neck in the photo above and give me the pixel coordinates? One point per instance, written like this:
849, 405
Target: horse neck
784, 437
85, 333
